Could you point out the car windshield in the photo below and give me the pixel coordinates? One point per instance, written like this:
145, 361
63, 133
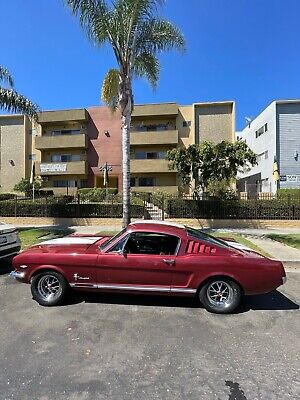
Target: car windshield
108, 242
197, 234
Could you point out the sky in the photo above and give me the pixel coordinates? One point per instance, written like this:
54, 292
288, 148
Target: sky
241, 50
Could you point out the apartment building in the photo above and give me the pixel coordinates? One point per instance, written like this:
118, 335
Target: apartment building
157, 128
274, 135
71, 148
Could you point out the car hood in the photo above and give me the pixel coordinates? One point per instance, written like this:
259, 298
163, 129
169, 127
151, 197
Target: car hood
68, 244
6, 228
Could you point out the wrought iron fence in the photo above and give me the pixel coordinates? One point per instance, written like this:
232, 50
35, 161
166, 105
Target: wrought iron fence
152, 206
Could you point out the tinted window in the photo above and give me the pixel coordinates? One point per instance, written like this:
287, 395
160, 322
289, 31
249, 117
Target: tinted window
206, 238
108, 242
151, 243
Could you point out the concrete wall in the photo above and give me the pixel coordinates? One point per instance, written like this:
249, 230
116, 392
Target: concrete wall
214, 122
104, 147
265, 142
288, 124
12, 152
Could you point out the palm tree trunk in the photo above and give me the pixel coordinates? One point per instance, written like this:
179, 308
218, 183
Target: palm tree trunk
126, 121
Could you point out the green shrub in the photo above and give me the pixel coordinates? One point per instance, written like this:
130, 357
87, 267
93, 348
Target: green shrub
6, 196
288, 194
96, 194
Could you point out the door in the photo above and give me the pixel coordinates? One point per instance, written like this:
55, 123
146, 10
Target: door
142, 261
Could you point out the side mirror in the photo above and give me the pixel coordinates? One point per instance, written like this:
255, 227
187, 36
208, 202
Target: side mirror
122, 252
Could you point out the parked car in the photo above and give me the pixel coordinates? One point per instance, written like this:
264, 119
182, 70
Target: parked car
148, 257
10, 243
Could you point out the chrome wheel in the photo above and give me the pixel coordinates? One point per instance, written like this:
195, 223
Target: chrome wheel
220, 294
49, 287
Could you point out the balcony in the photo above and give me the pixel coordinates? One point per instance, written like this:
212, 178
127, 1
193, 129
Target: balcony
61, 168
149, 166
153, 110
61, 142
154, 137
50, 117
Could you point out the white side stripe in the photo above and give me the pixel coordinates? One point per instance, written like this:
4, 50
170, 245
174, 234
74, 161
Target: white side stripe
72, 240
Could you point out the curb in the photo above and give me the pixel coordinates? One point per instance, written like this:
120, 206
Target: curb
291, 265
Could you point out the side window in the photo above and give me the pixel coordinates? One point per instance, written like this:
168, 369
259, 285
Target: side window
119, 246
151, 243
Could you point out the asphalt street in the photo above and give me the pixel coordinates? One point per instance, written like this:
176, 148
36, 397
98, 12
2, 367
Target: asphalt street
134, 347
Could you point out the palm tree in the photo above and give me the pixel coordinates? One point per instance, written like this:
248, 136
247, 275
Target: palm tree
12, 101
136, 36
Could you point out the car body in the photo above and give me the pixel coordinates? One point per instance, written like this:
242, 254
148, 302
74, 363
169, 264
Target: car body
149, 257
10, 243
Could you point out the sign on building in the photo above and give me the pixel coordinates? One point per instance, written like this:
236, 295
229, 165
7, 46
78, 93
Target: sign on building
53, 168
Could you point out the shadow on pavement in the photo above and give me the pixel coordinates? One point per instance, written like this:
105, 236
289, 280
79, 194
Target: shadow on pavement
271, 301
5, 267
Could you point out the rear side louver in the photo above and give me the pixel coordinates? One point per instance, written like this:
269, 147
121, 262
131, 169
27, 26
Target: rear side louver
196, 247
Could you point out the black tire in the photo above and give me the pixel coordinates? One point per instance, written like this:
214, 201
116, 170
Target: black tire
49, 288
220, 295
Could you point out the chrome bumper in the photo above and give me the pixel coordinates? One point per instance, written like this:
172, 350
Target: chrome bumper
17, 275
284, 279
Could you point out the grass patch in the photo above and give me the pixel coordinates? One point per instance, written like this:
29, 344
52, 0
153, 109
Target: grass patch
242, 240
292, 240
32, 236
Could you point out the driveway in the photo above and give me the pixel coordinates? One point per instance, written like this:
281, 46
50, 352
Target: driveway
139, 348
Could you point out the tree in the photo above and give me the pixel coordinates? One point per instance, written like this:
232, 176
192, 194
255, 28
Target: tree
136, 35
12, 101
202, 164
24, 186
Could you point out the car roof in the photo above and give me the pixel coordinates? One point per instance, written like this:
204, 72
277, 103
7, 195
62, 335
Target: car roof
158, 226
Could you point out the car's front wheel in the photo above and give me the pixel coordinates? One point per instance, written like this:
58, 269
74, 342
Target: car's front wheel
220, 295
49, 288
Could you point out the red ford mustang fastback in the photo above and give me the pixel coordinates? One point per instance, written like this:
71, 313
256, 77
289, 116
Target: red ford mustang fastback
148, 257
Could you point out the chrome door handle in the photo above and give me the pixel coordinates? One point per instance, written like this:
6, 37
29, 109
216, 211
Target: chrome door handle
169, 262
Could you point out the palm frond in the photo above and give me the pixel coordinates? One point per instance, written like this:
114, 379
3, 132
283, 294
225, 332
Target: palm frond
93, 16
6, 77
110, 88
159, 35
14, 102
147, 66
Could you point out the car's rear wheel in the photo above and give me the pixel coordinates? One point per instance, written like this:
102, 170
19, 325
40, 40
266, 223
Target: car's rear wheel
220, 295
49, 288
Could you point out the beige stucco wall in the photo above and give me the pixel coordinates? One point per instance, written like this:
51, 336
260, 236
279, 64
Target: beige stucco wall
186, 134
214, 122
12, 147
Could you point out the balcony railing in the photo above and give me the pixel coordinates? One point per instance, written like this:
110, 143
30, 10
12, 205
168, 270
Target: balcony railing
154, 137
61, 142
148, 166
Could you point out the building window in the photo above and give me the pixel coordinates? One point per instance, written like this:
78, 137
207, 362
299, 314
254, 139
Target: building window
65, 183
65, 132
150, 155
65, 157
261, 130
84, 183
32, 157
262, 156
186, 123
145, 182
152, 127
132, 182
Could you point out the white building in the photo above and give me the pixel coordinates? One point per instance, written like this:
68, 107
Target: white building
273, 135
